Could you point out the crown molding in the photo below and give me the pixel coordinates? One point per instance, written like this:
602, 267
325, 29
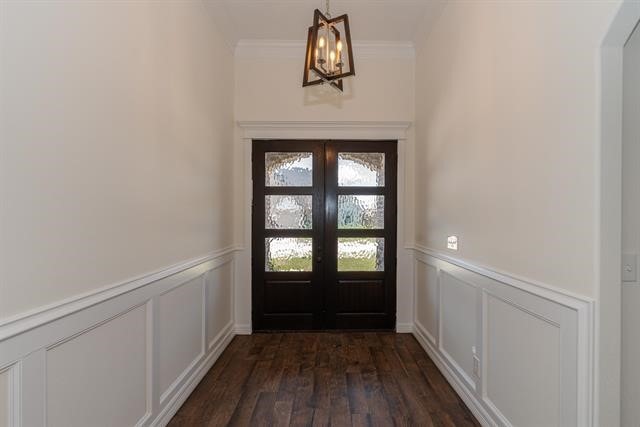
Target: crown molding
296, 49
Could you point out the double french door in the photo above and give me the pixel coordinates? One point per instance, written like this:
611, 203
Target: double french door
324, 235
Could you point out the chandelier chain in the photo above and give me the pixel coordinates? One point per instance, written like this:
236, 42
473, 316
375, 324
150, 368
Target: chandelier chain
328, 12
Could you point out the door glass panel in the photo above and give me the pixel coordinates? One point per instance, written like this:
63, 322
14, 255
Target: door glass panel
360, 254
288, 169
360, 212
361, 169
288, 254
288, 212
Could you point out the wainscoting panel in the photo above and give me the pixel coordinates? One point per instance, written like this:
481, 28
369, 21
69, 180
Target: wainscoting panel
126, 355
5, 404
519, 353
98, 378
180, 332
219, 300
427, 293
458, 325
523, 369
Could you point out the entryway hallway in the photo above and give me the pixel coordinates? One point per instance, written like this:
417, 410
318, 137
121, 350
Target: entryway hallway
338, 379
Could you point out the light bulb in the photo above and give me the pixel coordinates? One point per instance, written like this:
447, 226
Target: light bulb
321, 42
332, 56
339, 45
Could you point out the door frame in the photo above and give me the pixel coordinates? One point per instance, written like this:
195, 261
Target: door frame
608, 253
339, 130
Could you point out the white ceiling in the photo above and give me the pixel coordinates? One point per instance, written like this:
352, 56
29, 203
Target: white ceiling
371, 20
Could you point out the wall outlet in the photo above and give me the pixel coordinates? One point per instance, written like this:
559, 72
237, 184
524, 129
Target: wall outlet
452, 243
476, 366
476, 362
629, 267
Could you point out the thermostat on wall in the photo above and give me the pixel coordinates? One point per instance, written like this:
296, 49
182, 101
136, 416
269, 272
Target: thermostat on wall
452, 243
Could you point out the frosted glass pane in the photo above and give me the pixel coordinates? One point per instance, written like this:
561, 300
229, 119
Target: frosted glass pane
365, 212
288, 253
360, 254
361, 169
287, 212
288, 169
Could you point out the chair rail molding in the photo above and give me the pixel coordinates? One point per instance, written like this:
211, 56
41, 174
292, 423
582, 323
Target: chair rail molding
544, 290
40, 316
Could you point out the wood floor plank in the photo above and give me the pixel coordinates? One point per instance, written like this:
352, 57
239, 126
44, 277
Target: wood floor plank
324, 379
282, 413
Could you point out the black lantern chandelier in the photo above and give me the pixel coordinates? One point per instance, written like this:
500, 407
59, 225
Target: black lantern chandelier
329, 57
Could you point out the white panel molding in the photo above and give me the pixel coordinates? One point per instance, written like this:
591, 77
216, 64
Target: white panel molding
32, 394
485, 396
188, 370
13, 393
295, 49
211, 343
99, 357
229, 329
46, 314
25, 341
422, 263
471, 383
183, 381
572, 314
190, 383
369, 130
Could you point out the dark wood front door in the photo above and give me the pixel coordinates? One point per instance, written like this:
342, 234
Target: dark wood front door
324, 235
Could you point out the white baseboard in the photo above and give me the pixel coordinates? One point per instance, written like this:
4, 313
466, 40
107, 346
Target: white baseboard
181, 396
241, 329
460, 387
404, 328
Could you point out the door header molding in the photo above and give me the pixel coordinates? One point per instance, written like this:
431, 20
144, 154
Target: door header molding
369, 130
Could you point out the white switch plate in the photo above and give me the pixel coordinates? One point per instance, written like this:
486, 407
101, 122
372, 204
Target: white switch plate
452, 243
629, 267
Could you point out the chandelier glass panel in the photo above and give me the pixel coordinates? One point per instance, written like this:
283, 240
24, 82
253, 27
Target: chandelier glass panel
329, 56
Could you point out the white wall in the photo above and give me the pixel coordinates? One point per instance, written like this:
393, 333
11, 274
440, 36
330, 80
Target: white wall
631, 232
268, 88
116, 122
507, 137
116, 265
511, 139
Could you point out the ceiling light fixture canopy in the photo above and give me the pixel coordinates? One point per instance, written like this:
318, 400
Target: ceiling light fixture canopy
329, 57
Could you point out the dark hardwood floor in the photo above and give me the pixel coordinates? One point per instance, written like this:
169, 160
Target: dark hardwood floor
318, 379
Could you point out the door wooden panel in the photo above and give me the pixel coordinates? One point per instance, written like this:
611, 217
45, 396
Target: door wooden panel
324, 235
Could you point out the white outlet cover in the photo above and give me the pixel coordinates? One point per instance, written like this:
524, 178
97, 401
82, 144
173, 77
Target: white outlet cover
452, 243
476, 366
629, 267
